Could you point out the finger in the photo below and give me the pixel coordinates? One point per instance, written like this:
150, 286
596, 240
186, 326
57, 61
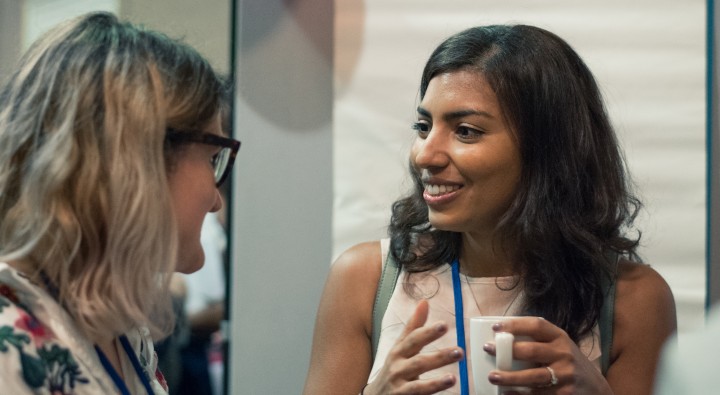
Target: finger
428, 386
538, 328
533, 378
415, 336
540, 353
415, 341
425, 362
418, 318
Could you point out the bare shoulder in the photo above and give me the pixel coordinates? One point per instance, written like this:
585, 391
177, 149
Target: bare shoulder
359, 267
341, 353
640, 287
360, 258
354, 277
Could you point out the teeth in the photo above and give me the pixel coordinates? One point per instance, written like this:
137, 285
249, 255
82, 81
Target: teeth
434, 190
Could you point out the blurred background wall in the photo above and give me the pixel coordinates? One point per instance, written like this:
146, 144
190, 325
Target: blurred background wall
282, 233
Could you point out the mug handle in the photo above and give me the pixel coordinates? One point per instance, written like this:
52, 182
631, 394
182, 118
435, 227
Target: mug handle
504, 350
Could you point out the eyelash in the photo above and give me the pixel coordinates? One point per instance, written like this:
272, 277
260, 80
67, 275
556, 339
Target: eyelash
472, 133
423, 129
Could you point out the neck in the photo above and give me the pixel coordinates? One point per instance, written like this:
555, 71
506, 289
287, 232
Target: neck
484, 256
110, 349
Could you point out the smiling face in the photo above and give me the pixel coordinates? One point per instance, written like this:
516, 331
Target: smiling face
466, 154
194, 194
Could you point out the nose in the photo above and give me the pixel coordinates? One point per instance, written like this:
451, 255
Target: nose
217, 205
432, 151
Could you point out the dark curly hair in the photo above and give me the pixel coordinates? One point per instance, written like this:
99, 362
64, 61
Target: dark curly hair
574, 201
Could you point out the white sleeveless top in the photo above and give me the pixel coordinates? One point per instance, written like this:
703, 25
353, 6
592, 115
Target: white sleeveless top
489, 296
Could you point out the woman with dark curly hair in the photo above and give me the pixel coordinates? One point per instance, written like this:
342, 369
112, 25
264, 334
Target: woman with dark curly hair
521, 207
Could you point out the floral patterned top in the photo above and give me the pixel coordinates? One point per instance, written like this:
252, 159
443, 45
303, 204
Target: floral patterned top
43, 352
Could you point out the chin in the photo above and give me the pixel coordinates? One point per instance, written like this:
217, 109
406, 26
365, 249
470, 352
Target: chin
441, 222
188, 266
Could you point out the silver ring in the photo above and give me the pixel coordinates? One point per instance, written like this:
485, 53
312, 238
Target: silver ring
553, 377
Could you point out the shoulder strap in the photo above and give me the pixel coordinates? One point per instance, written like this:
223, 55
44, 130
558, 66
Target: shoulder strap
607, 313
386, 286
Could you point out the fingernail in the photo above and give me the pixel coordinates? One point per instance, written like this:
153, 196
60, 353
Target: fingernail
449, 379
494, 378
490, 348
441, 328
497, 326
455, 354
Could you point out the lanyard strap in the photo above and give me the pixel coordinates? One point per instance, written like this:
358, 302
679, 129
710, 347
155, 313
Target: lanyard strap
119, 383
136, 364
460, 327
112, 372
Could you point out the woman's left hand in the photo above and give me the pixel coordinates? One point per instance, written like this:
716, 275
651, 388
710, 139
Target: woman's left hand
552, 348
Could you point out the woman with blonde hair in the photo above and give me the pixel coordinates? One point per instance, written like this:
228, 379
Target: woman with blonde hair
111, 152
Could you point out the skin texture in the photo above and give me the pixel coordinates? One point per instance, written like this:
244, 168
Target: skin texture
194, 194
464, 141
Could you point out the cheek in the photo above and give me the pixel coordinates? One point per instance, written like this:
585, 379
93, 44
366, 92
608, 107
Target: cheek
498, 176
508, 182
191, 201
189, 227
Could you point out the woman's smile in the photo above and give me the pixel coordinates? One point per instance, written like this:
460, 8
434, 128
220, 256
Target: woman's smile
438, 192
465, 152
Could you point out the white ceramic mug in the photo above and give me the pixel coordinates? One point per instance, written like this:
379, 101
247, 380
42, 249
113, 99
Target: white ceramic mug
482, 363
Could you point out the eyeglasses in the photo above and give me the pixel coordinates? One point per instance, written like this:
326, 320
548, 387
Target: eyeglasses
222, 161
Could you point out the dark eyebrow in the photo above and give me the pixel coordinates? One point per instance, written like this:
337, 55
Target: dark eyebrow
456, 114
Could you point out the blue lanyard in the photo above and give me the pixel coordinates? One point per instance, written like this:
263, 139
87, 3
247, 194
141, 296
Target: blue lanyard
119, 383
52, 289
460, 327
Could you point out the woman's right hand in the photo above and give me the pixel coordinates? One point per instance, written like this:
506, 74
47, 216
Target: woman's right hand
404, 364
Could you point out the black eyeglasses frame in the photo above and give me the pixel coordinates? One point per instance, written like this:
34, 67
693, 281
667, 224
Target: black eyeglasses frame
177, 136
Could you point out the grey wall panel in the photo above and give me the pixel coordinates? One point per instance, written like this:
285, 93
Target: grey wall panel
282, 197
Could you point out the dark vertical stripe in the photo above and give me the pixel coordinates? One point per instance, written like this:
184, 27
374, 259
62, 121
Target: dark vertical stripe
711, 291
225, 325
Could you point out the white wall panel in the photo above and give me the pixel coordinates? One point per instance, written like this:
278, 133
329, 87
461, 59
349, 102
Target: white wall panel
41, 15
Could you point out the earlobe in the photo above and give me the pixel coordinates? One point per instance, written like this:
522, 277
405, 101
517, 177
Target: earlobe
218, 202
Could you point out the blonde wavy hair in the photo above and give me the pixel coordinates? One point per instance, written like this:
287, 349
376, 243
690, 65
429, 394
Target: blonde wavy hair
84, 200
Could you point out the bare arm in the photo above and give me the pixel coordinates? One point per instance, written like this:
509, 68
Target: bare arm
644, 318
341, 357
